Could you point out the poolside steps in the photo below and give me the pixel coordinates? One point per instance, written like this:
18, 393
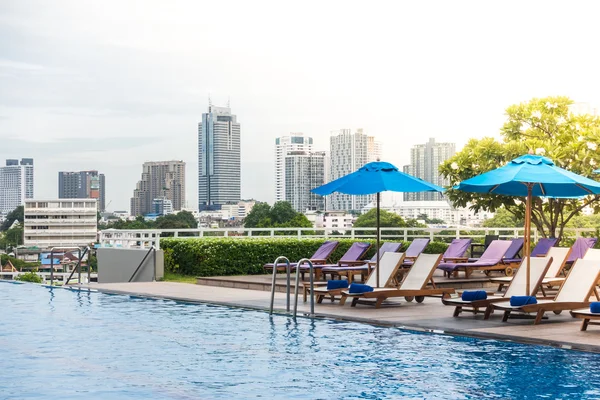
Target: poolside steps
263, 282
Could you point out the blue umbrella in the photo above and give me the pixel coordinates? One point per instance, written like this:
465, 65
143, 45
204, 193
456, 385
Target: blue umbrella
529, 176
376, 177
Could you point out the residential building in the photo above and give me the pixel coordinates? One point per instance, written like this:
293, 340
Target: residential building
159, 179
348, 152
162, 206
82, 185
424, 162
219, 159
304, 171
60, 222
16, 184
332, 220
284, 145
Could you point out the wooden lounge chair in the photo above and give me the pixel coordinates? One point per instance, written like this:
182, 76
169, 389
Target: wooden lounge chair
456, 251
542, 248
388, 266
491, 260
477, 249
587, 316
363, 270
414, 285
413, 251
574, 293
351, 257
580, 248
321, 256
559, 258
510, 256
558, 279
538, 268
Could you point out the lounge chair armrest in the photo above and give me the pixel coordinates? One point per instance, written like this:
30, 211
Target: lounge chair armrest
318, 261
351, 262
540, 255
455, 259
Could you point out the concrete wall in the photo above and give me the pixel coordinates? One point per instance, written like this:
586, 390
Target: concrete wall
117, 265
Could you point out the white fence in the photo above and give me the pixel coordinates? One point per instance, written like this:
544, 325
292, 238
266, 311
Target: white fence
144, 238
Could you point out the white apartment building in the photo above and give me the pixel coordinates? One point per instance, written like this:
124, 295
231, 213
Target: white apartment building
296, 141
16, 184
348, 152
424, 162
60, 223
304, 171
338, 220
235, 211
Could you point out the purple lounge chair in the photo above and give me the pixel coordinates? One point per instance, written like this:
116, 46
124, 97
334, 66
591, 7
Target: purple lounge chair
515, 247
491, 259
580, 247
541, 249
351, 257
456, 250
365, 269
321, 256
416, 247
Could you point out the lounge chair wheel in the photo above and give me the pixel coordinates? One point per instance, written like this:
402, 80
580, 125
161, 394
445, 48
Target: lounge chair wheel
419, 299
509, 271
557, 312
409, 298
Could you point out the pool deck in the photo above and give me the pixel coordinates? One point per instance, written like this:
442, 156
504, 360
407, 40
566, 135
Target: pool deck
558, 330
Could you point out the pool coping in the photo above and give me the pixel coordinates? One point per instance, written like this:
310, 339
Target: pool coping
370, 321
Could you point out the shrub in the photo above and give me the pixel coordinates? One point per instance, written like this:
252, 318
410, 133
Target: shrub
230, 256
29, 277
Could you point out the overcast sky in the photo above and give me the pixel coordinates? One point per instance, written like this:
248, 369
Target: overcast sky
108, 84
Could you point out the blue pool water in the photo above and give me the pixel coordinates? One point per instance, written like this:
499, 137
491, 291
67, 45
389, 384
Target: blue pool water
63, 344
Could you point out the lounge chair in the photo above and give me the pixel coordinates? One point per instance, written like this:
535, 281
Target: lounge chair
477, 249
574, 293
584, 253
538, 267
587, 316
414, 250
351, 270
388, 266
542, 248
580, 247
491, 260
321, 256
414, 285
456, 250
510, 257
351, 257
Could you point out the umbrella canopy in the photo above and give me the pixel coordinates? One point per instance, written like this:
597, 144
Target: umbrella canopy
376, 177
531, 175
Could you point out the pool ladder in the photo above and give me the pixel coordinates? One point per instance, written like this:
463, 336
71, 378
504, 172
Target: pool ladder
297, 284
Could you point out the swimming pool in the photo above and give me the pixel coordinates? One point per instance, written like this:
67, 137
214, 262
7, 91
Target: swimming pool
64, 344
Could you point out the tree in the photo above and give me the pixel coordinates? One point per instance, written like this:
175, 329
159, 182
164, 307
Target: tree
542, 126
259, 212
386, 220
16, 214
281, 215
504, 219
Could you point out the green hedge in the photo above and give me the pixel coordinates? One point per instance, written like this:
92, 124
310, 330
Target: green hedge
230, 256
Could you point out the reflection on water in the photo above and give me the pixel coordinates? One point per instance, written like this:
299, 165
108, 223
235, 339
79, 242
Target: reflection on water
129, 347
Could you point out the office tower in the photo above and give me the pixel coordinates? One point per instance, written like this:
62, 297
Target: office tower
82, 185
424, 162
159, 179
348, 152
16, 184
304, 171
219, 164
284, 145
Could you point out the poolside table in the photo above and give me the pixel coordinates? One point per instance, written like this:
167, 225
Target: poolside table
587, 316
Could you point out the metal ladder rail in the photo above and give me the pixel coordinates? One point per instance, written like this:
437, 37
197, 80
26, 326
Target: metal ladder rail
312, 286
59, 249
78, 268
288, 268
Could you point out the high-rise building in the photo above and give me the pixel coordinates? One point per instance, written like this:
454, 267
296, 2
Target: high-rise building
283, 145
162, 206
16, 184
82, 185
219, 159
424, 162
349, 152
159, 179
304, 171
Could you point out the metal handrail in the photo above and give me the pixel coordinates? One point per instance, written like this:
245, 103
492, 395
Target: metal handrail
152, 249
288, 267
312, 286
63, 249
78, 267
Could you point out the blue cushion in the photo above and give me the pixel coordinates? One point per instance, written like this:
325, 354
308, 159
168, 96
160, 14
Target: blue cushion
518, 301
473, 295
595, 307
337, 284
359, 288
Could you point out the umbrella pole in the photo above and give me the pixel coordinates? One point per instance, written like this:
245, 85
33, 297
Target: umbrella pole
377, 233
527, 238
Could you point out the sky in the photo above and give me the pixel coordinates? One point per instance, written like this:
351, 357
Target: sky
109, 85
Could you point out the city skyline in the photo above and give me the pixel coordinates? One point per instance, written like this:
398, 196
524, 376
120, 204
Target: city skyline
77, 96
